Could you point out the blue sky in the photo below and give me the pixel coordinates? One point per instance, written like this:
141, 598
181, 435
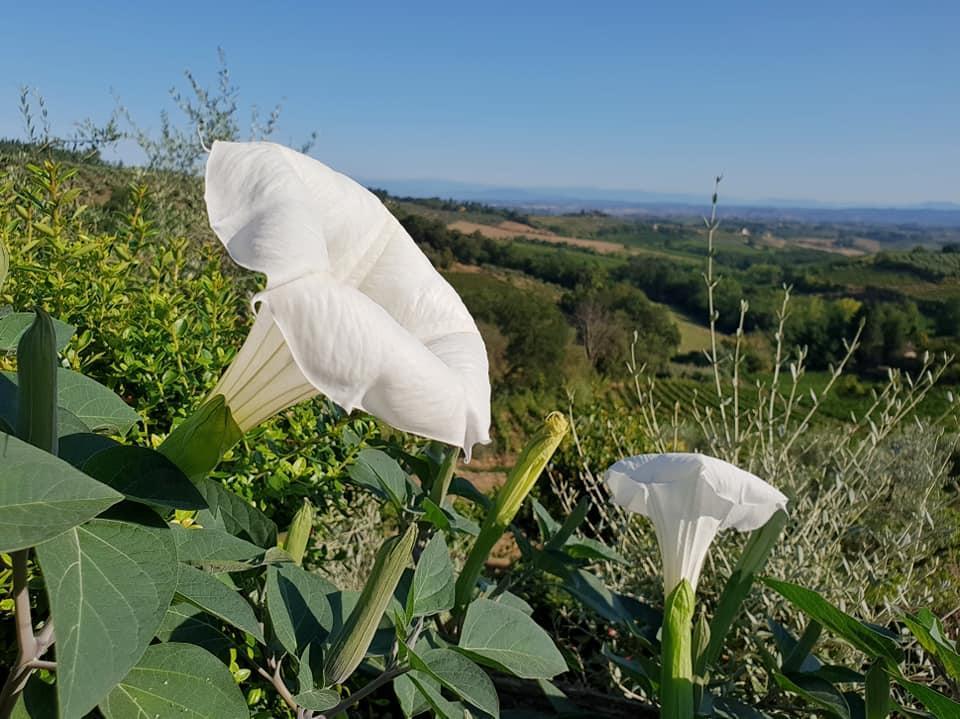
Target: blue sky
847, 102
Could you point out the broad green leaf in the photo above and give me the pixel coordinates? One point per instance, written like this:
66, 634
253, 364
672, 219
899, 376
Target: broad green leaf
212, 595
432, 587
144, 475
929, 633
235, 514
298, 606
737, 587
378, 472
318, 700
787, 646
727, 708
185, 622
111, 583
206, 546
42, 496
14, 325
78, 448
37, 384
176, 681
868, 640
801, 651
411, 700
429, 688
93, 404
940, 706
197, 444
507, 639
512, 600
459, 675
817, 692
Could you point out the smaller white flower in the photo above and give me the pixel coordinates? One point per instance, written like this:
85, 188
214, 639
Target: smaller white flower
689, 498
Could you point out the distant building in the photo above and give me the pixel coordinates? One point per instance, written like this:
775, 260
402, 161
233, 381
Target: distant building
744, 232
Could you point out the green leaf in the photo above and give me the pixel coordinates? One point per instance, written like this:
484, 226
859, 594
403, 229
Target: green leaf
42, 496
93, 404
212, 595
37, 701
447, 519
298, 606
877, 692
935, 702
929, 633
868, 640
412, 701
570, 525
816, 691
641, 619
78, 448
461, 676
235, 515
432, 588
461, 487
197, 444
643, 671
318, 700
176, 681
429, 688
507, 639
37, 383
548, 525
381, 474
144, 475
737, 587
590, 550
14, 325
185, 622
110, 582
205, 546
512, 600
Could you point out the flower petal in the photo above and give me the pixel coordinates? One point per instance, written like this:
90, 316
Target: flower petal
352, 350
689, 498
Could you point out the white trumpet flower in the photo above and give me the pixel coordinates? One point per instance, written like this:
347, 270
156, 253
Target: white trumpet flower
352, 308
690, 498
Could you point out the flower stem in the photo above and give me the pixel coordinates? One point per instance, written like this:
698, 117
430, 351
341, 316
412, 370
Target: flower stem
676, 667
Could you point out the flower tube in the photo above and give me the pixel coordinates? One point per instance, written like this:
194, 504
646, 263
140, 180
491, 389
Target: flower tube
352, 309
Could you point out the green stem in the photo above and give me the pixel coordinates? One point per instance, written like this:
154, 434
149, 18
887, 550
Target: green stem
676, 645
441, 483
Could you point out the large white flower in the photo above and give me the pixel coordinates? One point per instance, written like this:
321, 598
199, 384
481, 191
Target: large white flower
352, 308
689, 498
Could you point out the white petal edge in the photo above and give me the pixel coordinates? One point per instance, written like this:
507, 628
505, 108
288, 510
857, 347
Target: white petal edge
354, 352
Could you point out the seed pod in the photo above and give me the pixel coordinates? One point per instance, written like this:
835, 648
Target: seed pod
353, 640
37, 380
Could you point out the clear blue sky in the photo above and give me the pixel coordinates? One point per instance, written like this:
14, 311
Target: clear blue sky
854, 102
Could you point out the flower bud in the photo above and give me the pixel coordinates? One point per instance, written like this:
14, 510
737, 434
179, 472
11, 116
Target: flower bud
298, 535
351, 643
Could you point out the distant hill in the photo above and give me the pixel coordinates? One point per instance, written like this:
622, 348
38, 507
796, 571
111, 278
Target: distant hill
641, 203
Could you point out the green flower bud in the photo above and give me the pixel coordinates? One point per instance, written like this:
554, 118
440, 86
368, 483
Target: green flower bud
523, 476
298, 535
198, 443
37, 380
353, 640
